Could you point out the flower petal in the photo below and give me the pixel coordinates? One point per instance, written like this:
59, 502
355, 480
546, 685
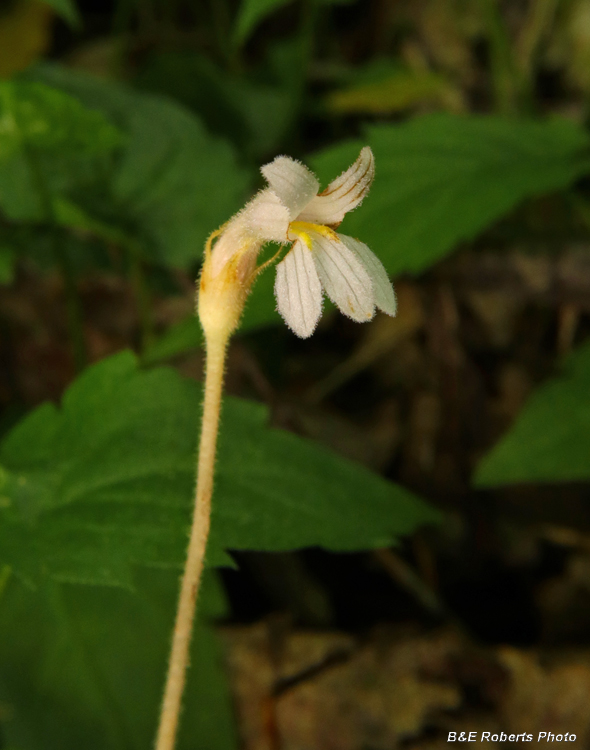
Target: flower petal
343, 277
343, 194
263, 219
382, 287
267, 218
298, 290
292, 182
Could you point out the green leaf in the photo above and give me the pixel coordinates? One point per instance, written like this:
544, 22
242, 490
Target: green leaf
278, 491
106, 483
84, 667
180, 338
251, 13
441, 179
51, 131
550, 441
174, 183
37, 116
254, 115
395, 90
67, 10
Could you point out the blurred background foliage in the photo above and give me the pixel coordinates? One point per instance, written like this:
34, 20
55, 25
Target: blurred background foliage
458, 432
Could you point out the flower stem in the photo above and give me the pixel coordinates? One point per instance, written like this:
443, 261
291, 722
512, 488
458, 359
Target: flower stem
214, 370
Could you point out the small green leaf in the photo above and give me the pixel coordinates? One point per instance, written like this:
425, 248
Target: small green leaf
105, 483
441, 179
398, 90
67, 10
550, 441
251, 13
37, 116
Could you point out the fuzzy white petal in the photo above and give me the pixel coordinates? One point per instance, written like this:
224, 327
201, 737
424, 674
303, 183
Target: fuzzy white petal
382, 287
267, 218
298, 290
292, 182
263, 219
343, 194
343, 277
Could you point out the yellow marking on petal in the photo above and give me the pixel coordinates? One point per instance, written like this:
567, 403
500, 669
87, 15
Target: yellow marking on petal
302, 229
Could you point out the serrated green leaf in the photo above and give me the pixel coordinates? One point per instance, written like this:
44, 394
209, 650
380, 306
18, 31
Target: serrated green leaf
441, 179
105, 483
174, 183
37, 116
85, 667
282, 492
550, 441
43, 127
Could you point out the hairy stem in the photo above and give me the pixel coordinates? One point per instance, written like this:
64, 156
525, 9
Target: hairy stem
215, 363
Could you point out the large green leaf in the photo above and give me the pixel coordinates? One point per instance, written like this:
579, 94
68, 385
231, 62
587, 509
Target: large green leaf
550, 441
48, 141
252, 113
175, 182
105, 483
84, 667
441, 179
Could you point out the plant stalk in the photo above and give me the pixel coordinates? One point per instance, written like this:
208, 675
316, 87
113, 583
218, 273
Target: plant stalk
179, 655
502, 64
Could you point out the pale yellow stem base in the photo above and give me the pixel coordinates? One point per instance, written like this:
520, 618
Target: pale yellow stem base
179, 655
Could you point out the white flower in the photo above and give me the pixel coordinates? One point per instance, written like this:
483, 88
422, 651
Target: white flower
290, 210
350, 274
